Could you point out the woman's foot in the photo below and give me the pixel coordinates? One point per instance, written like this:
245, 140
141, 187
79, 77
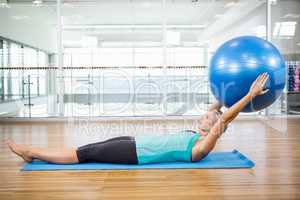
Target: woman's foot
19, 149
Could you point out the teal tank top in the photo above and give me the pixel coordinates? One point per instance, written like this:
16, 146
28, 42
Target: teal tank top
166, 148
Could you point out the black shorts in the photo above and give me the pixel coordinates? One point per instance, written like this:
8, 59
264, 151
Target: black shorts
120, 150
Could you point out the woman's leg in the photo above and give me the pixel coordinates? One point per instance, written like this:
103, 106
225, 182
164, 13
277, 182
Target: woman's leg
28, 153
121, 150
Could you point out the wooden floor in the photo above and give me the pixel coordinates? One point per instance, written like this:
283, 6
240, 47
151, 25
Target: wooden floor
274, 146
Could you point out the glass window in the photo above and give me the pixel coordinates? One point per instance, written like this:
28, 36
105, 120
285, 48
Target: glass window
6, 72
15, 75
286, 36
41, 78
2, 70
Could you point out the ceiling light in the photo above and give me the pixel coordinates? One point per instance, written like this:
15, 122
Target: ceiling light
68, 5
72, 43
141, 26
284, 29
291, 15
230, 4
4, 4
287, 31
190, 44
129, 44
20, 17
37, 2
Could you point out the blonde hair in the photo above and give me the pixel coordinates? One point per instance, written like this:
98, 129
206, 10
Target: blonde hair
218, 116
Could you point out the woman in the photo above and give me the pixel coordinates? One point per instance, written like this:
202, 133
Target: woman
186, 146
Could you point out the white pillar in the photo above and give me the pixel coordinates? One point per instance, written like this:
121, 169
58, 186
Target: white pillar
164, 52
60, 59
206, 63
268, 33
269, 21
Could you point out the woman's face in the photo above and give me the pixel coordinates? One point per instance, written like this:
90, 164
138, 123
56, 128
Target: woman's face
207, 121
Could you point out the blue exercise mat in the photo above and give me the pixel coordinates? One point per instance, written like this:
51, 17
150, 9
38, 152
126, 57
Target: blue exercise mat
215, 160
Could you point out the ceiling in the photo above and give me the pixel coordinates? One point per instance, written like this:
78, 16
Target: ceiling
139, 20
118, 12
121, 20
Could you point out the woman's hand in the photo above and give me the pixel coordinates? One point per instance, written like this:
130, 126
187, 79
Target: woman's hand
257, 87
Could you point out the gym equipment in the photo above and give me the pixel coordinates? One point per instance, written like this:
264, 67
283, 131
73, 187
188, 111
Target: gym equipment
237, 63
218, 160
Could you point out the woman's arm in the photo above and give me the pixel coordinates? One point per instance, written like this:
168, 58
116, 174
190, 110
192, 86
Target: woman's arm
215, 106
208, 143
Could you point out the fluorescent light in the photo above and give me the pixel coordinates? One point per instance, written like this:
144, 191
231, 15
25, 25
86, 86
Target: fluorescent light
4, 4
20, 17
142, 26
289, 23
71, 43
287, 31
86, 41
291, 15
230, 4
173, 37
68, 5
147, 43
188, 26
191, 44
284, 29
37, 2
131, 44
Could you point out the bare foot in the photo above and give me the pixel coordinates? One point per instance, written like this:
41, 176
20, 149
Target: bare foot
19, 149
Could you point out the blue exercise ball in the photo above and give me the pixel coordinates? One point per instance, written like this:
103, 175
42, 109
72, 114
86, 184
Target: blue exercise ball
237, 63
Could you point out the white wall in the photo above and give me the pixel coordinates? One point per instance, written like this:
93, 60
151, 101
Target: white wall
245, 24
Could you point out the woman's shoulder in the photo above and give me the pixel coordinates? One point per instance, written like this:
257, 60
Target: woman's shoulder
196, 154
